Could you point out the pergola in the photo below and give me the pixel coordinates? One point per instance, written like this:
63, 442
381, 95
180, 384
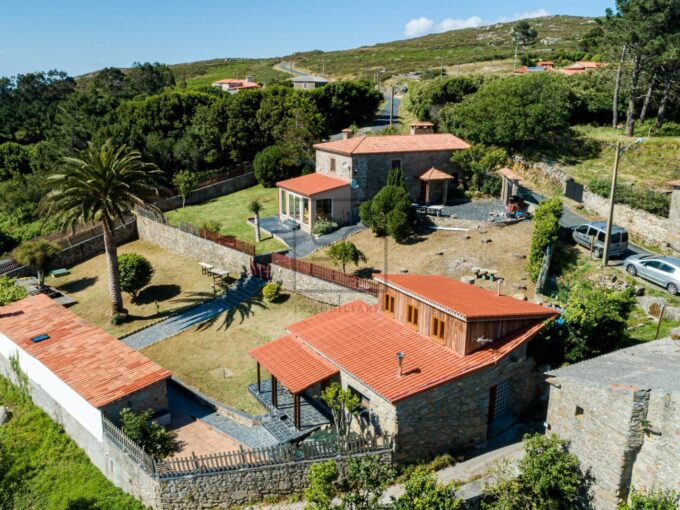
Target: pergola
294, 366
435, 175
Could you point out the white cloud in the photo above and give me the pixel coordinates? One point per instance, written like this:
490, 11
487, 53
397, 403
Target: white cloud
418, 26
422, 26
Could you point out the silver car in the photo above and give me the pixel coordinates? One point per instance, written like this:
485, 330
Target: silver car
664, 271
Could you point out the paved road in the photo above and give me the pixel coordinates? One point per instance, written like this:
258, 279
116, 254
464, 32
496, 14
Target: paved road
287, 67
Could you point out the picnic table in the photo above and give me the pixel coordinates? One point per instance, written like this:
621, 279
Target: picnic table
218, 274
205, 267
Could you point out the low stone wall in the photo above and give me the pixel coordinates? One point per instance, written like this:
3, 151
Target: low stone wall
193, 247
318, 289
211, 191
239, 487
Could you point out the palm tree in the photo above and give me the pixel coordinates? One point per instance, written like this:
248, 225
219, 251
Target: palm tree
107, 182
38, 254
255, 207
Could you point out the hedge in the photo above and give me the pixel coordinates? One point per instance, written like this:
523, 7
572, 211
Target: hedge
639, 198
546, 227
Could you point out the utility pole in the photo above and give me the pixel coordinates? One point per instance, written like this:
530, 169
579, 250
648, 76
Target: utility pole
391, 105
610, 218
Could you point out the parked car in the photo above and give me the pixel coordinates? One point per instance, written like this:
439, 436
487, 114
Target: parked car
664, 271
595, 232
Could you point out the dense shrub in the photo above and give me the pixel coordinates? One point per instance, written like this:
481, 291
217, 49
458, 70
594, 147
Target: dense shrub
545, 231
151, 437
479, 165
271, 166
15, 160
9, 292
271, 292
633, 196
345, 252
427, 96
322, 227
135, 273
652, 500
389, 212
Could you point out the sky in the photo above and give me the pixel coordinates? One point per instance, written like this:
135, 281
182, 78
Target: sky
79, 36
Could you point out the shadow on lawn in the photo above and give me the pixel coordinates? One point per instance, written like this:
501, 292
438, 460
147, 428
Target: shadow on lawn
158, 293
243, 310
79, 284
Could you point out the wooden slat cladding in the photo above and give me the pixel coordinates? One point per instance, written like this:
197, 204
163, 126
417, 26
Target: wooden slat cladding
491, 330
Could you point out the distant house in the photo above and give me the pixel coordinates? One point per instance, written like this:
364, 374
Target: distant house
535, 69
581, 67
309, 82
621, 413
545, 63
436, 362
233, 86
353, 169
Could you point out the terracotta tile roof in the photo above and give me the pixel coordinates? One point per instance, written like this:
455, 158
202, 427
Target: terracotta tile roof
238, 84
97, 366
510, 174
466, 301
674, 183
394, 143
364, 342
296, 366
311, 184
434, 174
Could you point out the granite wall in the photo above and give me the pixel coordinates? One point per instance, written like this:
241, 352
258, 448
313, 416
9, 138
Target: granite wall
154, 396
209, 192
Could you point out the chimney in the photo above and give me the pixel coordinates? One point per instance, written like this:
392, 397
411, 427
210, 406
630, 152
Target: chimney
400, 362
346, 133
249, 79
422, 128
499, 282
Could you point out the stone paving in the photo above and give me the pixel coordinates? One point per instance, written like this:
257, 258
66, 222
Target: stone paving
243, 289
477, 210
302, 243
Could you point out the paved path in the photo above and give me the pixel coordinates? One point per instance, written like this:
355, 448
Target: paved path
244, 288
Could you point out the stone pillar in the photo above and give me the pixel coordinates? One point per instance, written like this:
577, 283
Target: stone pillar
674, 217
446, 192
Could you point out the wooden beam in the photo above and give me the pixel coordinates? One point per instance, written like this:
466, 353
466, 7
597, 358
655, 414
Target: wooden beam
259, 379
296, 411
275, 392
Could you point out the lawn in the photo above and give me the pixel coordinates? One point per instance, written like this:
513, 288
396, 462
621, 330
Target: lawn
176, 283
449, 253
213, 357
231, 211
50, 471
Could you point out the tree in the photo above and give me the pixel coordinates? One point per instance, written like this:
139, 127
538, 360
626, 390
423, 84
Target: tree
148, 78
255, 207
522, 35
389, 212
185, 182
270, 166
112, 81
479, 165
9, 291
426, 97
652, 500
15, 160
321, 490
135, 273
342, 103
396, 178
101, 187
550, 477
37, 254
344, 406
546, 227
422, 491
151, 437
345, 252
512, 112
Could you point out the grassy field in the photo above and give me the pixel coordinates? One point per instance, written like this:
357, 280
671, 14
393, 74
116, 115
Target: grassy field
205, 72
651, 163
214, 357
232, 212
50, 471
176, 283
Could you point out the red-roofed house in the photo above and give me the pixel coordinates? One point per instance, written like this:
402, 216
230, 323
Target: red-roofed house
362, 163
79, 371
233, 86
435, 363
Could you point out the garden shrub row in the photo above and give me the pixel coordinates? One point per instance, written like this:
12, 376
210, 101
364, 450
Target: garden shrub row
638, 197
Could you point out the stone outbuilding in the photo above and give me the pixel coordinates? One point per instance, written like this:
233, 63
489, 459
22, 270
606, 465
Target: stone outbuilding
621, 413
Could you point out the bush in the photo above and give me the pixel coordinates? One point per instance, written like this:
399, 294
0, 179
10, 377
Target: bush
270, 166
422, 491
345, 252
322, 227
652, 500
211, 226
545, 231
389, 212
9, 292
151, 437
633, 196
135, 273
271, 292
478, 166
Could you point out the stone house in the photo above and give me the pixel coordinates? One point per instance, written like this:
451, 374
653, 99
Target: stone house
621, 413
436, 362
308, 82
363, 163
84, 373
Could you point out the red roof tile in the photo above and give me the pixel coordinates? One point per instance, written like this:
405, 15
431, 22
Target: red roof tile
674, 183
510, 174
311, 184
292, 363
238, 84
364, 342
394, 143
434, 174
97, 366
462, 299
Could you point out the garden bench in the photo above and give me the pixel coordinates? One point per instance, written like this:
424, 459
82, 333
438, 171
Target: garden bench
59, 272
205, 267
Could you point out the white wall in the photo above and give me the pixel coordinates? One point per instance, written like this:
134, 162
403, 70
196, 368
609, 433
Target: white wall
75, 405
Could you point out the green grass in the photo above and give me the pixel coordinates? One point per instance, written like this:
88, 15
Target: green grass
52, 471
232, 212
642, 328
204, 73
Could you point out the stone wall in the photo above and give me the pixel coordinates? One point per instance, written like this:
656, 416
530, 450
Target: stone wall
318, 289
239, 487
193, 247
625, 436
674, 220
454, 415
209, 192
154, 396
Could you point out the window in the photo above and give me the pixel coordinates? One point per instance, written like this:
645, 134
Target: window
438, 329
666, 268
601, 236
583, 229
365, 401
388, 303
284, 202
412, 315
332, 164
324, 209
305, 211
578, 412
396, 163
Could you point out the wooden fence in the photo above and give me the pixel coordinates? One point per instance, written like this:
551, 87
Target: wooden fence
269, 456
326, 273
128, 446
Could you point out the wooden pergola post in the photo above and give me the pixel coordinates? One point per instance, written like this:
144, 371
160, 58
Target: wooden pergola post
296, 411
275, 392
446, 192
259, 379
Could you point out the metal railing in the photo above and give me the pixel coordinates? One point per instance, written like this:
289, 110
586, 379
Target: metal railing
326, 273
